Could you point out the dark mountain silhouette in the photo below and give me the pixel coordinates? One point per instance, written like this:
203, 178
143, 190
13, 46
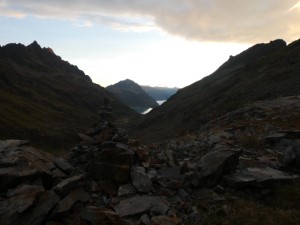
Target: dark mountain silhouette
160, 93
46, 99
132, 94
263, 72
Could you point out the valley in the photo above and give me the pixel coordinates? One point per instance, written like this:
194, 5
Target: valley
223, 150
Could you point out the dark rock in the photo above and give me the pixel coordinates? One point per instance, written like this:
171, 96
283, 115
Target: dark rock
170, 177
170, 156
160, 206
291, 156
111, 172
183, 194
24, 189
213, 166
12, 208
12, 143
65, 186
142, 153
27, 209
140, 180
165, 220
87, 139
109, 187
69, 201
115, 156
206, 196
105, 135
63, 165
109, 144
24, 164
152, 174
126, 190
276, 137
144, 220
101, 216
141, 205
43, 207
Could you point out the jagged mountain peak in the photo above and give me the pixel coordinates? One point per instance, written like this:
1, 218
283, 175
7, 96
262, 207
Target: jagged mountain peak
34, 44
255, 53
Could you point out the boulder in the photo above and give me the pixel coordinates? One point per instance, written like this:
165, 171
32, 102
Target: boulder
140, 180
170, 177
63, 165
212, 166
24, 163
27, 209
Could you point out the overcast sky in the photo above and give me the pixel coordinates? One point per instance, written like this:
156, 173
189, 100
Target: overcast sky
155, 42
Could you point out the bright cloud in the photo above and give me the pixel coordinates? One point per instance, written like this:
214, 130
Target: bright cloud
205, 20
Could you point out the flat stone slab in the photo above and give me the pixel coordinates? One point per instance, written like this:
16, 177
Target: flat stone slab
257, 177
142, 204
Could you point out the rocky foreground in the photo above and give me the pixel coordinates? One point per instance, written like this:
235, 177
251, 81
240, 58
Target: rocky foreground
110, 179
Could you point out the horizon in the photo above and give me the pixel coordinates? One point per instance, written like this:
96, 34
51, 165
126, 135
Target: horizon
163, 44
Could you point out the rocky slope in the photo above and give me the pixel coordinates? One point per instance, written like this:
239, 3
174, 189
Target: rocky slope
160, 93
132, 94
243, 163
46, 99
264, 71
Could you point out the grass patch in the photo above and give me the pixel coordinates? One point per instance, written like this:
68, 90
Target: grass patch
281, 206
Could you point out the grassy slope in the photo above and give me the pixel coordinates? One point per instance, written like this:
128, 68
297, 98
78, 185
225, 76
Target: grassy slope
48, 103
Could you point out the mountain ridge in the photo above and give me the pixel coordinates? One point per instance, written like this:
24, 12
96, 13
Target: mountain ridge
46, 99
132, 94
160, 93
262, 72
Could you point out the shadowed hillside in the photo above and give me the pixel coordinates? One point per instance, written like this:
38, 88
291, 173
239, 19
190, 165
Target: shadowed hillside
264, 71
46, 99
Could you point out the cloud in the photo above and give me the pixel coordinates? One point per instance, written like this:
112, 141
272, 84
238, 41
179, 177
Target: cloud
204, 20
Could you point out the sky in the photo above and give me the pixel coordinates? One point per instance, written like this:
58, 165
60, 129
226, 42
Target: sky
153, 42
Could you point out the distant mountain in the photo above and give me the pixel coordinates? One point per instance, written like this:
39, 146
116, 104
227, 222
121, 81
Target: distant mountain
263, 72
160, 93
46, 99
132, 94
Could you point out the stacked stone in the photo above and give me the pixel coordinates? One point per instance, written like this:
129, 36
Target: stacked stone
104, 153
36, 187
